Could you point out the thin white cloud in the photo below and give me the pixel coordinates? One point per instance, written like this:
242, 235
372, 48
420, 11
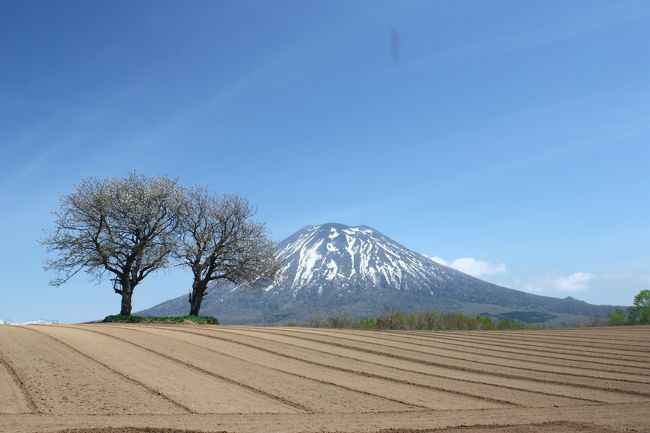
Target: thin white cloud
439, 260
632, 277
472, 266
575, 282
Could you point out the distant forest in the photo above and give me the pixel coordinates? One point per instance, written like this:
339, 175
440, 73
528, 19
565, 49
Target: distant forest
420, 320
391, 318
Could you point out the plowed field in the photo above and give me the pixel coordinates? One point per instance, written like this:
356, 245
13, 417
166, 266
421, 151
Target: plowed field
137, 378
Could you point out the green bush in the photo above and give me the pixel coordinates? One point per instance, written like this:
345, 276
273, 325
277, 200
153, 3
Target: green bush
203, 320
640, 312
617, 317
507, 324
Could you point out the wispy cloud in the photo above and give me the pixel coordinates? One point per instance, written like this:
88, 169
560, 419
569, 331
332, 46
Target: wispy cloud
472, 266
575, 282
628, 277
566, 146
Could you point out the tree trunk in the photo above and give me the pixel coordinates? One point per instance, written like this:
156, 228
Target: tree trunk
126, 303
196, 296
126, 292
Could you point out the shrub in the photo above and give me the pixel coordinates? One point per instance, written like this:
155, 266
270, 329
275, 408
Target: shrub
203, 320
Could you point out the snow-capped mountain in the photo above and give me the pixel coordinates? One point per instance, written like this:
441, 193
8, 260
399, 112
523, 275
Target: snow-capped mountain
332, 268
339, 258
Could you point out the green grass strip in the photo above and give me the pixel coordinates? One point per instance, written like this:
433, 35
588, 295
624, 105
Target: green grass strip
203, 320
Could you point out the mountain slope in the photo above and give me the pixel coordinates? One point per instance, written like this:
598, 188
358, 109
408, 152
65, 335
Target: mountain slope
333, 267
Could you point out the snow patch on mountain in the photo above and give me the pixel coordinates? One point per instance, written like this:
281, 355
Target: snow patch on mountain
336, 257
32, 322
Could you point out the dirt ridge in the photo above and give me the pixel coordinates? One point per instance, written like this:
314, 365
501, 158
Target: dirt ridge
441, 345
534, 345
454, 341
397, 368
31, 403
376, 376
209, 373
98, 378
108, 367
324, 382
473, 370
460, 358
566, 343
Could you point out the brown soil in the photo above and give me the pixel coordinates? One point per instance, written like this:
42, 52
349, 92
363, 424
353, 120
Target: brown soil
188, 378
535, 359
272, 352
468, 363
268, 339
560, 427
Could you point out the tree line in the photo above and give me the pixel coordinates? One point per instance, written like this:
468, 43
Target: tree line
127, 228
637, 314
392, 318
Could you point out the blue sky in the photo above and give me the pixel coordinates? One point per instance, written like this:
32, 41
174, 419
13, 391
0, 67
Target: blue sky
510, 139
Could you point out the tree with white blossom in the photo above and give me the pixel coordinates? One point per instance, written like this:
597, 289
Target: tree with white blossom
220, 241
124, 227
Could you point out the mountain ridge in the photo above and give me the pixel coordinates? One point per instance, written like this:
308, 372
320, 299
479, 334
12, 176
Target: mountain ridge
333, 267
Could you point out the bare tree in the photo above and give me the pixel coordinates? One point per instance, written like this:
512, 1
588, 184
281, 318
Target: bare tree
220, 241
126, 227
